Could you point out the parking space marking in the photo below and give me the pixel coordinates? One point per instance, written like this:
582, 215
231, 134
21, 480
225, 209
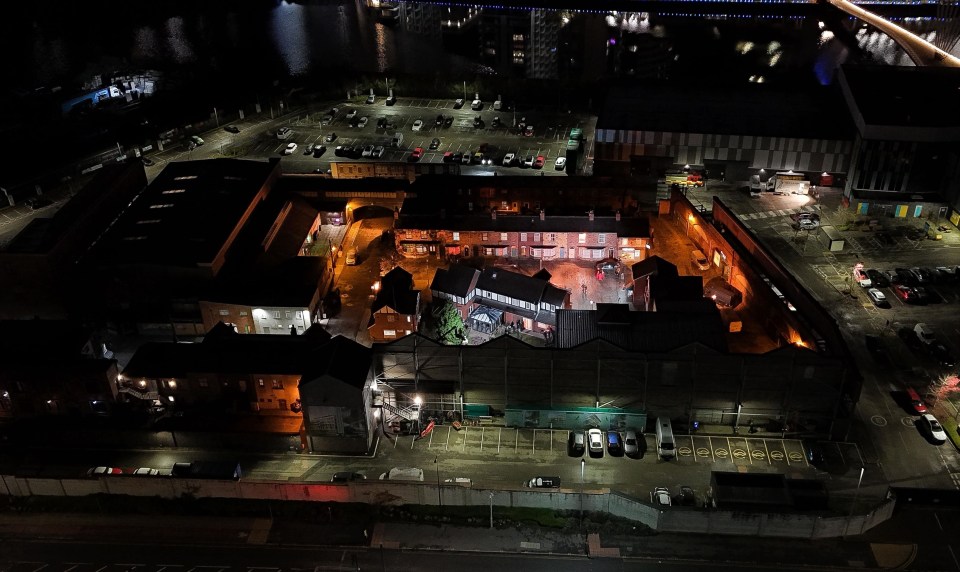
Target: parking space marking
446, 443
483, 434
767, 450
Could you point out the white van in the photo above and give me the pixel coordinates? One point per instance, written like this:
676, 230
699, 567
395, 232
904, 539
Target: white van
402, 474
666, 447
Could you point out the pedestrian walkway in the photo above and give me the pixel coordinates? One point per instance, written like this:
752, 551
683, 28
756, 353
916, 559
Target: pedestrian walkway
769, 214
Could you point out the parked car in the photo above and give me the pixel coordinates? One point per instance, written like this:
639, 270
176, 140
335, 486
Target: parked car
146, 472
576, 443
416, 154
367, 151
330, 138
904, 276
390, 100
319, 150
467, 158
905, 293
528, 131
543, 482
284, 133
805, 215
661, 496
539, 161
448, 121
231, 129
560, 164
476, 105
103, 471
352, 257
438, 121
932, 428
528, 162
914, 402
878, 298
326, 119
478, 121
509, 159
457, 157
371, 99
351, 114
378, 151
417, 125
862, 279
435, 143
347, 476
877, 277
807, 224
925, 333
458, 103
687, 496
363, 122
595, 442
290, 148
196, 140
614, 443
448, 156
631, 447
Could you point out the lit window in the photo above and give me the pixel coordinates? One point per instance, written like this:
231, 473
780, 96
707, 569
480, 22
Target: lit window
277, 384
456, 237
484, 236
503, 237
224, 312
582, 238
601, 238
523, 237
389, 333
260, 383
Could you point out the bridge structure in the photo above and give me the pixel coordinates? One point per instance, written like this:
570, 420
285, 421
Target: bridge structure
920, 51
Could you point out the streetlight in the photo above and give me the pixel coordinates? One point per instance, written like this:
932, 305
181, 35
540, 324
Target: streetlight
439, 494
583, 464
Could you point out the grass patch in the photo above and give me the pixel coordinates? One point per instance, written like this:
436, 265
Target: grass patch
950, 426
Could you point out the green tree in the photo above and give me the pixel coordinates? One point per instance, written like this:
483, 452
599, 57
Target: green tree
447, 323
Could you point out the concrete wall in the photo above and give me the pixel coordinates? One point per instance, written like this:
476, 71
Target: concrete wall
667, 519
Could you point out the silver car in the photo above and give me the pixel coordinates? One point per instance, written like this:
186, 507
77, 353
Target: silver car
631, 447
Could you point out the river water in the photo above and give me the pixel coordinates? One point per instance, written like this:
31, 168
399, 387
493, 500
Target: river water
221, 46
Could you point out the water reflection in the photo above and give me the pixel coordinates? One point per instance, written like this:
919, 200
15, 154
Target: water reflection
290, 36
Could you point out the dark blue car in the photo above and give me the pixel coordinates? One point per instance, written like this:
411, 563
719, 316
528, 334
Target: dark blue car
614, 443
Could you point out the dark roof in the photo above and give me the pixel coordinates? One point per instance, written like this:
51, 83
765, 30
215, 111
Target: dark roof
292, 283
396, 292
640, 331
342, 359
653, 265
225, 351
754, 109
512, 284
186, 215
667, 288
41, 340
553, 295
457, 280
908, 97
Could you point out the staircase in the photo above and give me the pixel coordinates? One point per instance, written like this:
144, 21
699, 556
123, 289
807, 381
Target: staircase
409, 413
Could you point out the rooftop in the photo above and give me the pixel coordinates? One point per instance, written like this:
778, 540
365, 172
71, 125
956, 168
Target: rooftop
170, 223
641, 331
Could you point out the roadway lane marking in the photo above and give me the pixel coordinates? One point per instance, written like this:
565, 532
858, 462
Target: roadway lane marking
499, 438
482, 434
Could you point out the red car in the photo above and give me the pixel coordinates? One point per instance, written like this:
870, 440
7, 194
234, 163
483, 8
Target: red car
448, 156
538, 163
417, 154
905, 293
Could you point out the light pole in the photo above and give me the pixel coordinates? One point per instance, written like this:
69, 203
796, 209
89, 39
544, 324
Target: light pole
583, 463
853, 505
464, 91
491, 511
439, 493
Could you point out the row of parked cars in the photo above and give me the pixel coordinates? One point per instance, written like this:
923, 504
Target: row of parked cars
594, 440
908, 284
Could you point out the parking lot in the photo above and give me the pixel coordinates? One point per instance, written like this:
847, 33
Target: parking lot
737, 452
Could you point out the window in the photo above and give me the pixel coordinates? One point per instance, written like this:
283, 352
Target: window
277, 384
503, 237
260, 383
484, 236
523, 237
276, 315
456, 237
391, 318
552, 237
601, 238
409, 319
286, 315
423, 234
582, 238
389, 333
224, 312
243, 313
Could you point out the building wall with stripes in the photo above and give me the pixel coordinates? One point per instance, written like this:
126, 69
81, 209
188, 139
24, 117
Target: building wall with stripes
772, 153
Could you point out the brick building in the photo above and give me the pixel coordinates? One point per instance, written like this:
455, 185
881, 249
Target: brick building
396, 309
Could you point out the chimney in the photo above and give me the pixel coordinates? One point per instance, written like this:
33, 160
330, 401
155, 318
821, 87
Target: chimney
493, 214
618, 216
590, 215
543, 215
